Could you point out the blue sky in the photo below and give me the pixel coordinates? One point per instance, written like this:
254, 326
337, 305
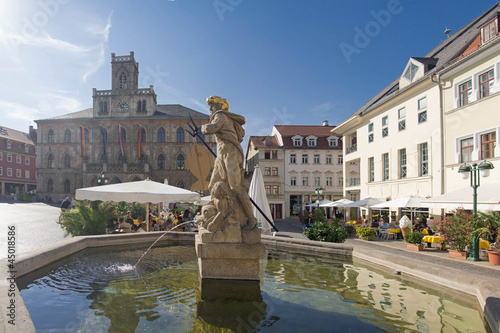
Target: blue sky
276, 62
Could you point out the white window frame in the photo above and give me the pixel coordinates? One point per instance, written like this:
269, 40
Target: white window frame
317, 180
274, 171
329, 159
293, 158
1, 156
311, 141
1, 171
385, 126
18, 159
27, 174
297, 141
340, 159
9, 145
370, 132
293, 180
316, 159
305, 159
9, 172
403, 163
329, 181
371, 169
305, 180
18, 173
385, 167
402, 119
423, 159
26, 160
9, 157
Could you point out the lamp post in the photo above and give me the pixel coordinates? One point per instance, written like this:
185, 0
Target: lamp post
319, 191
102, 179
466, 169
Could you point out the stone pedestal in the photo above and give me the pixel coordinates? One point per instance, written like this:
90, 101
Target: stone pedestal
229, 261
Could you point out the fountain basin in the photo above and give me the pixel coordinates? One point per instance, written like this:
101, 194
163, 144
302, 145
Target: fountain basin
485, 291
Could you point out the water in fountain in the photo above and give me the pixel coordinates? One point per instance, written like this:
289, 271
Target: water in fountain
156, 241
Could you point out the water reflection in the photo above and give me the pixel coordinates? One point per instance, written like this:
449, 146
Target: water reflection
97, 291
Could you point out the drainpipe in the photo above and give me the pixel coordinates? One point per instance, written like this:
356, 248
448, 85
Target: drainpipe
436, 78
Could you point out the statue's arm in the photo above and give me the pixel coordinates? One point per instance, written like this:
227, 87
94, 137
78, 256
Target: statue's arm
214, 126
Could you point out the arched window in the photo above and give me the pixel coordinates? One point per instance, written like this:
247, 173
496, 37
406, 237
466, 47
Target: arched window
161, 162
50, 162
104, 135
180, 184
103, 107
143, 134
144, 105
121, 159
180, 135
67, 187
139, 106
123, 81
180, 162
51, 136
67, 136
161, 135
198, 138
67, 161
50, 186
123, 134
86, 135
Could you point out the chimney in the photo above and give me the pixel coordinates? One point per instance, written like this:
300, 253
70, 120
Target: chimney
325, 122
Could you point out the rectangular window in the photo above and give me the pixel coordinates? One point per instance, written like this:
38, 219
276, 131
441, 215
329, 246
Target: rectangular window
274, 154
1, 156
1, 171
297, 142
293, 181
267, 155
341, 181
402, 163
422, 103
488, 32
402, 119
317, 181
27, 160
268, 189
486, 81
26, 149
464, 92
370, 132
371, 170
274, 171
305, 159
488, 144
370, 137
370, 127
311, 142
340, 159
305, 181
9, 157
9, 172
18, 173
466, 149
424, 159
18, 159
422, 117
385, 161
385, 126
27, 174
9, 146
267, 171
293, 158
329, 159
316, 159
329, 181
276, 189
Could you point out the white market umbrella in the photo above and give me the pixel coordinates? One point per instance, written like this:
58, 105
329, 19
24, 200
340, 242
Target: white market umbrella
338, 203
257, 192
143, 191
488, 198
402, 202
204, 200
366, 203
322, 203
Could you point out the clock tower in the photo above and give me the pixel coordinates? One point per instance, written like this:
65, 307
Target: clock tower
125, 99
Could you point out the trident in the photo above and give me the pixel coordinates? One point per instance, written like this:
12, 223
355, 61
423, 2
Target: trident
196, 133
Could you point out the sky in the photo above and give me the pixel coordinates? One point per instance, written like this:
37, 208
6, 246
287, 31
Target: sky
281, 62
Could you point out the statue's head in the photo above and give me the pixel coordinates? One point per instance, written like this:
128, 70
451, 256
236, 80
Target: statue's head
217, 103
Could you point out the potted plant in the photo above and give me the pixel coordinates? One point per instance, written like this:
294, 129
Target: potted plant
366, 233
414, 241
494, 252
351, 230
456, 230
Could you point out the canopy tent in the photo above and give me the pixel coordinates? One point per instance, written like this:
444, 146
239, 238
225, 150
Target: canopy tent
488, 198
366, 203
338, 203
143, 191
407, 201
322, 203
257, 192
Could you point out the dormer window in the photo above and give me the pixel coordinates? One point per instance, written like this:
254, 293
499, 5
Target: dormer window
411, 71
311, 141
488, 32
333, 141
297, 141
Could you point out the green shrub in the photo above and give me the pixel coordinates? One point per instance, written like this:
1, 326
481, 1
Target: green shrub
414, 237
319, 215
324, 232
24, 197
365, 233
350, 229
87, 219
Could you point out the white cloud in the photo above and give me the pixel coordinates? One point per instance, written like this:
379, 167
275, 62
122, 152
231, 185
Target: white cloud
19, 112
101, 31
323, 108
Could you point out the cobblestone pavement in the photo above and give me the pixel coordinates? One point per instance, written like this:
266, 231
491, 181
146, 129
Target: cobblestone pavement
35, 225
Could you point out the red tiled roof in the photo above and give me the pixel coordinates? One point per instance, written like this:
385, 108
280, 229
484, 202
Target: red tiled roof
321, 132
260, 141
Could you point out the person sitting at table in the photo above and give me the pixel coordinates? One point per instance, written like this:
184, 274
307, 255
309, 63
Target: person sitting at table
359, 220
374, 224
124, 226
385, 225
129, 218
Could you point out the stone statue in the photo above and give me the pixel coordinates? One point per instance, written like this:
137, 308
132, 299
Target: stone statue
230, 203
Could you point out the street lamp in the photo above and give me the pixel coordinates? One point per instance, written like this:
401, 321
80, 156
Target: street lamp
102, 179
319, 191
474, 170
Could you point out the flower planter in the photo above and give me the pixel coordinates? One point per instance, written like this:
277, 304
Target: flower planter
405, 231
494, 257
457, 254
415, 247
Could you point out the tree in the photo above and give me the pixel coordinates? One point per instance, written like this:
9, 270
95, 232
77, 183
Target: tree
87, 219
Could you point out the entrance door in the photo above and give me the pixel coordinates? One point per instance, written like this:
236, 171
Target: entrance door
278, 211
